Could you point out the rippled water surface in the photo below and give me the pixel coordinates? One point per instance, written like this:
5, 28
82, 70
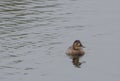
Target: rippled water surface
34, 35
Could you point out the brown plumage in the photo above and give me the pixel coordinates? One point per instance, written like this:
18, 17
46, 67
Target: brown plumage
76, 48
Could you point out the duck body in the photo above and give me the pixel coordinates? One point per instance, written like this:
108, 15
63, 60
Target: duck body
71, 51
76, 49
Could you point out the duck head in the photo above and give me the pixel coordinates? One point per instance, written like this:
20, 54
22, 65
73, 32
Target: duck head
77, 44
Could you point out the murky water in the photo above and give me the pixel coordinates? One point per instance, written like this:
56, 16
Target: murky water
34, 35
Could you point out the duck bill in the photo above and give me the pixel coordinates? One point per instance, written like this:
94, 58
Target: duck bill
82, 46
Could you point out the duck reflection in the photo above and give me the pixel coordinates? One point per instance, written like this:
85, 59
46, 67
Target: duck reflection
76, 60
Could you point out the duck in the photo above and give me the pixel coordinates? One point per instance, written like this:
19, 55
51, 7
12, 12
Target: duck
76, 49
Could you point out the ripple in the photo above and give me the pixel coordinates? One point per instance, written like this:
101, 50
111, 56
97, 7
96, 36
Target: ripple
76, 27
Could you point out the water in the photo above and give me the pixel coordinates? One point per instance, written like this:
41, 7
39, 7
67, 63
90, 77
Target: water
34, 35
